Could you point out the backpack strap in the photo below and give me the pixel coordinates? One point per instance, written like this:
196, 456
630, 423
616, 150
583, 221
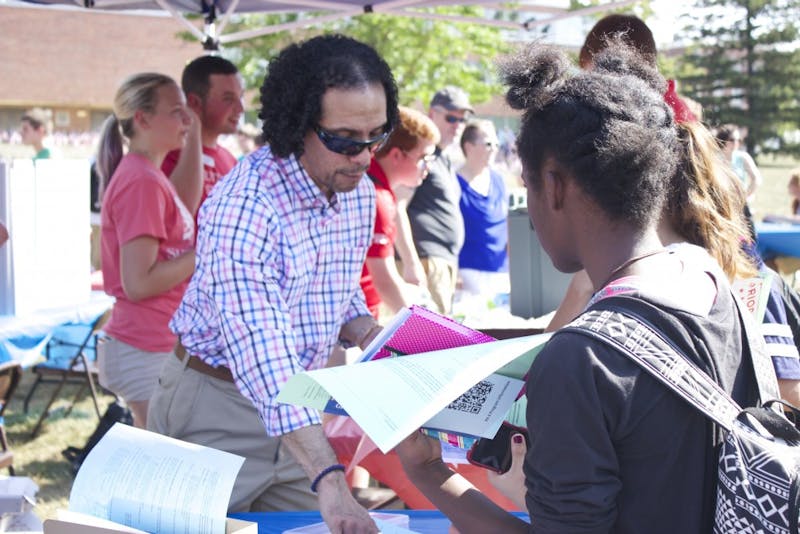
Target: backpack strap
635, 338
764, 370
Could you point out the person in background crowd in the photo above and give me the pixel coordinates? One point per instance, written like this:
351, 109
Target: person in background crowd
36, 124
214, 93
437, 228
248, 137
147, 235
402, 161
635, 33
281, 247
483, 260
729, 138
612, 449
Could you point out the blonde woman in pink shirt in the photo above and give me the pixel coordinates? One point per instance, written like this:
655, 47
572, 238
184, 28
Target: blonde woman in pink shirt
147, 235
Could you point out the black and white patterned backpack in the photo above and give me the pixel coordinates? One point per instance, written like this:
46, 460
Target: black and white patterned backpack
759, 460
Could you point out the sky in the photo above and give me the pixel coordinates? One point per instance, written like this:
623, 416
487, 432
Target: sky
664, 23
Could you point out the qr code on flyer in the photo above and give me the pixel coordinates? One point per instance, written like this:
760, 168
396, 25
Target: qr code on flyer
472, 401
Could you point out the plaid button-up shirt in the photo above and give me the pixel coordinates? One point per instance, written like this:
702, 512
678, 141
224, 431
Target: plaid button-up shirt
277, 275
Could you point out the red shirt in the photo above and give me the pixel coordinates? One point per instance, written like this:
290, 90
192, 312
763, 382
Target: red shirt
217, 162
383, 238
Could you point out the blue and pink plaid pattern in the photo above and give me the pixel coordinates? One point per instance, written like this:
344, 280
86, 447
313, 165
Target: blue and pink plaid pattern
277, 275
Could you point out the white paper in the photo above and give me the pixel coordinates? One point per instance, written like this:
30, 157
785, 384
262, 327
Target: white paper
155, 483
84, 519
392, 397
481, 410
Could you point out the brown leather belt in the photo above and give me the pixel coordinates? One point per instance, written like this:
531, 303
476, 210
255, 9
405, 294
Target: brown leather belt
220, 373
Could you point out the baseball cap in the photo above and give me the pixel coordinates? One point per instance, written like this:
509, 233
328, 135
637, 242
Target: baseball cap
452, 98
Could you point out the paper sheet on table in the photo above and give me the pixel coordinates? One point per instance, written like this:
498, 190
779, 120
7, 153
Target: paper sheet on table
393, 397
155, 483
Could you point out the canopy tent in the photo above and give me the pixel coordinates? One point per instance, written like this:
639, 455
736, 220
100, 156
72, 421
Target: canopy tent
217, 13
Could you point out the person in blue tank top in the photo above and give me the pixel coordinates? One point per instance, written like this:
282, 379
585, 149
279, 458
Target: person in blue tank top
483, 260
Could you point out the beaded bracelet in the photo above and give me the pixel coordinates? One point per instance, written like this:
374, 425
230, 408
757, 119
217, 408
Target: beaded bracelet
321, 475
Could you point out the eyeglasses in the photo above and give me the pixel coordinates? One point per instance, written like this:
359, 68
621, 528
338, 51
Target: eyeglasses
424, 160
452, 119
348, 146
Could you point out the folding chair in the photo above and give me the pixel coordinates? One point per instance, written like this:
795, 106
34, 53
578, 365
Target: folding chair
70, 358
10, 374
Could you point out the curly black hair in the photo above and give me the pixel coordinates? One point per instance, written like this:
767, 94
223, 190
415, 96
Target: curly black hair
291, 95
609, 126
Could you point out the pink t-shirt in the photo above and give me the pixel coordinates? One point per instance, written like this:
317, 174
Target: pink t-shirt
141, 201
217, 162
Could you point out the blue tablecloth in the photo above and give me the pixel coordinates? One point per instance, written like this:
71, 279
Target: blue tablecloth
22, 339
778, 239
423, 521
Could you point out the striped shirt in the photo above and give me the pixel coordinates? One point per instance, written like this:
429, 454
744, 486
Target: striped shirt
277, 275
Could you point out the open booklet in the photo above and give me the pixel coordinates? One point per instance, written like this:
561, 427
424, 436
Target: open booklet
466, 390
151, 483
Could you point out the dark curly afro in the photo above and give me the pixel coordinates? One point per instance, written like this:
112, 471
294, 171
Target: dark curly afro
291, 96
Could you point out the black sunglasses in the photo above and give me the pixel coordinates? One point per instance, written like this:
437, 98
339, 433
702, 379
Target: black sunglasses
452, 119
348, 146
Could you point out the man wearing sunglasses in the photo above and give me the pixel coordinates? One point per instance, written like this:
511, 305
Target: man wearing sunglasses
281, 243
437, 227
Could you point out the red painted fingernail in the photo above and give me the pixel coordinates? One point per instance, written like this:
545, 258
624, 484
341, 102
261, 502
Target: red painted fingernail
518, 439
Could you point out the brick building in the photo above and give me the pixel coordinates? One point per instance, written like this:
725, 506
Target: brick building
73, 61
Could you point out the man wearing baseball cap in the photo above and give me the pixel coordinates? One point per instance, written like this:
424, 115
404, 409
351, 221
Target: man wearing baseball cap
435, 218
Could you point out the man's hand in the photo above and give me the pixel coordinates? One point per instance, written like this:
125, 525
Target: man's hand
340, 510
337, 505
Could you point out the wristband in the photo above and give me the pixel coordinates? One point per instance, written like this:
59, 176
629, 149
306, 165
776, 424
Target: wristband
326, 471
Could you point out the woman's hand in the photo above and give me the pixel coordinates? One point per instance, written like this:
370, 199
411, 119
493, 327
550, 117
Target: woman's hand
512, 483
418, 451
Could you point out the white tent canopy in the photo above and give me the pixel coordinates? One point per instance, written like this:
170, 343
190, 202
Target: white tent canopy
217, 13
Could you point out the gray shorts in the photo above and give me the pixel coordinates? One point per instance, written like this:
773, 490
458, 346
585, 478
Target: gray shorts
127, 371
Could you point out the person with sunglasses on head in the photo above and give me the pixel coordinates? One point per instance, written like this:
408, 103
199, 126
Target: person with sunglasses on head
483, 260
437, 227
402, 161
281, 244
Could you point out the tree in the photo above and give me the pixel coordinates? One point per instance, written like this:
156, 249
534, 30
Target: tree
744, 68
424, 54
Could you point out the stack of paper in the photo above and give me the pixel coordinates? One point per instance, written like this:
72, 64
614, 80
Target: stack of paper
466, 390
139, 481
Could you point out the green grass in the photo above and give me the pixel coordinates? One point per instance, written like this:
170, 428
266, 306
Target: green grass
772, 196
40, 458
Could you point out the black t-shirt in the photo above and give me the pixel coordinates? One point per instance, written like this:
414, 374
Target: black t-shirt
435, 214
612, 449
